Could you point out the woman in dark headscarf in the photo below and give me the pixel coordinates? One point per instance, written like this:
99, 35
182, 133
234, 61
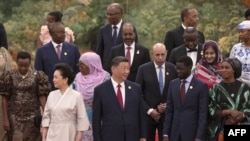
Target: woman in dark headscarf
229, 99
207, 69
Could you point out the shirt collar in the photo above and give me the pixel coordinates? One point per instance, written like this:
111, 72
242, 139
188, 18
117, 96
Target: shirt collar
118, 25
187, 49
115, 83
132, 45
157, 66
189, 78
183, 26
55, 44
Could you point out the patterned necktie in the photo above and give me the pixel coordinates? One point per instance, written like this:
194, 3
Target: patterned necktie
58, 51
128, 55
160, 79
183, 91
119, 95
114, 34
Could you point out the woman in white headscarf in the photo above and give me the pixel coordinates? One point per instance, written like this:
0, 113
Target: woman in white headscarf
241, 51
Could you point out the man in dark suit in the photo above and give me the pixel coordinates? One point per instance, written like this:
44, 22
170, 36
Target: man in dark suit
138, 54
154, 90
56, 51
118, 113
3, 37
110, 34
187, 105
174, 38
191, 47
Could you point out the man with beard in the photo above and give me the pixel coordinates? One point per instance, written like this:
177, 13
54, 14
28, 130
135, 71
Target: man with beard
135, 53
110, 34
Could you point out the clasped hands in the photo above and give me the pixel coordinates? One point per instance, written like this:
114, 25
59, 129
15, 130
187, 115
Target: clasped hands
234, 117
156, 113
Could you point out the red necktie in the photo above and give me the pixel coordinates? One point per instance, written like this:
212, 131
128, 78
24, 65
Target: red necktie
183, 91
58, 51
128, 55
119, 95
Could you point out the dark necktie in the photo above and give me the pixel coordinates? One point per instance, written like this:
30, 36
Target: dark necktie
160, 79
114, 34
58, 51
183, 91
128, 56
119, 95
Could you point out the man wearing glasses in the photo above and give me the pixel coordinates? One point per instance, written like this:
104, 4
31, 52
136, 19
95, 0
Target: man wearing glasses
110, 34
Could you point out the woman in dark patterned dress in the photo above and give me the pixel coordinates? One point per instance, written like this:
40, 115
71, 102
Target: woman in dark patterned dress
23, 92
229, 100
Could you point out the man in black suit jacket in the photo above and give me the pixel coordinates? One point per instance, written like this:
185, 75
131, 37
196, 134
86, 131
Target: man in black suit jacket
3, 37
174, 38
191, 47
105, 37
155, 99
139, 54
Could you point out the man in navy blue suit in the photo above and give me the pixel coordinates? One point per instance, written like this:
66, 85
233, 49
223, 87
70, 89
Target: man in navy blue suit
187, 105
110, 34
154, 90
118, 113
56, 51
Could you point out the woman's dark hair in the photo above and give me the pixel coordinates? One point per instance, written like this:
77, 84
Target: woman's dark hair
236, 65
23, 55
57, 15
247, 14
66, 71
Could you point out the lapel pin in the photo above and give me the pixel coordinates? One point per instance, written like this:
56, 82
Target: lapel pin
138, 52
191, 87
65, 53
129, 87
167, 73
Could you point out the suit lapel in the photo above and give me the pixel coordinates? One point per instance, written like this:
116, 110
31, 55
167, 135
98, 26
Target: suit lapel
128, 95
64, 52
191, 87
155, 77
199, 53
136, 56
121, 50
109, 33
167, 74
52, 52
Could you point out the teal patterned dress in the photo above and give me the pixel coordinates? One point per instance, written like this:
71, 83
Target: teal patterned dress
235, 96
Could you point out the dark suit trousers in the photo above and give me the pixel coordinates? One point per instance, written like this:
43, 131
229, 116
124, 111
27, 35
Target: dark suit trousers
152, 126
